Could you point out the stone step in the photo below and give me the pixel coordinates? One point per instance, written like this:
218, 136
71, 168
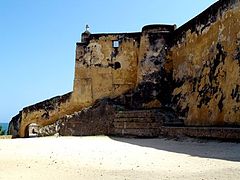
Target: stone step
136, 113
135, 119
137, 132
173, 123
221, 133
136, 125
147, 116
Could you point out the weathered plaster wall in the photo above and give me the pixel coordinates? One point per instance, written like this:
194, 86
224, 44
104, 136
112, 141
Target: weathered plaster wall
193, 71
154, 68
103, 70
14, 125
94, 120
153, 50
153, 89
43, 113
206, 66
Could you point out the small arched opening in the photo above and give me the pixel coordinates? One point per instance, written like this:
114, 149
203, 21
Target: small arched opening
117, 65
32, 130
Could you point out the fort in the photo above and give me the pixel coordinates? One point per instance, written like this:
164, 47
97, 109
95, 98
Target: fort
160, 81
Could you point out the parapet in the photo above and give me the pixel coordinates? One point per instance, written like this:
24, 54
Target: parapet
158, 28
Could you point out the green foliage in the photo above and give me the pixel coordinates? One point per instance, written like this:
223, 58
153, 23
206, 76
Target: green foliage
2, 132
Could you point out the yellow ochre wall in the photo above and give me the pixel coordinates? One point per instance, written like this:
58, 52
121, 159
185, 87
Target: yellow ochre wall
206, 69
97, 71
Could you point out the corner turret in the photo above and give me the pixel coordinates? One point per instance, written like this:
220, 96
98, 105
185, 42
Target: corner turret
85, 35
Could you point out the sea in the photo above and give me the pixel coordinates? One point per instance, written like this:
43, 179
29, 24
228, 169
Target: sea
4, 126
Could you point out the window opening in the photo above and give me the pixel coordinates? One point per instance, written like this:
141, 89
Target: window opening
115, 44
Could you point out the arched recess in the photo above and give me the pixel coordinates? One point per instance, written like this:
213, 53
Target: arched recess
31, 130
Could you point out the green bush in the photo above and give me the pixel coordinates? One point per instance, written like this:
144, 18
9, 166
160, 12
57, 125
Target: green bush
2, 132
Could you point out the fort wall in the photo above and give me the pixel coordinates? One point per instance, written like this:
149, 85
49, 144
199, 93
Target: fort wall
191, 75
44, 113
106, 66
206, 67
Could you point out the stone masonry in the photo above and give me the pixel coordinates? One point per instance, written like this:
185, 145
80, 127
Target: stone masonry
142, 83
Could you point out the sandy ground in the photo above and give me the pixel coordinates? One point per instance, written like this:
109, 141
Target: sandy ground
104, 157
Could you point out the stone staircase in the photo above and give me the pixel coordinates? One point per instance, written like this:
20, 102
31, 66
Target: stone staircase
140, 123
143, 123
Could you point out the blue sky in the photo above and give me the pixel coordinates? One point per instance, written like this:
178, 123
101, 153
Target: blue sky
37, 40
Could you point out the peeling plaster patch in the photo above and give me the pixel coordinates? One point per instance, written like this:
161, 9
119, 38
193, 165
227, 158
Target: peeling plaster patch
236, 93
94, 55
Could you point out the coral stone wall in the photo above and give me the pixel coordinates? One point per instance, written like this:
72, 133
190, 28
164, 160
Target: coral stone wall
154, 68
192, 73
45, 113
206, 65
106, 66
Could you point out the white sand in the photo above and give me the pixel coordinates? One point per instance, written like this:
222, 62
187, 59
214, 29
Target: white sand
117, 158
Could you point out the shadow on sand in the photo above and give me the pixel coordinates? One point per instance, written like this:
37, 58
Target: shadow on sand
193, 147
